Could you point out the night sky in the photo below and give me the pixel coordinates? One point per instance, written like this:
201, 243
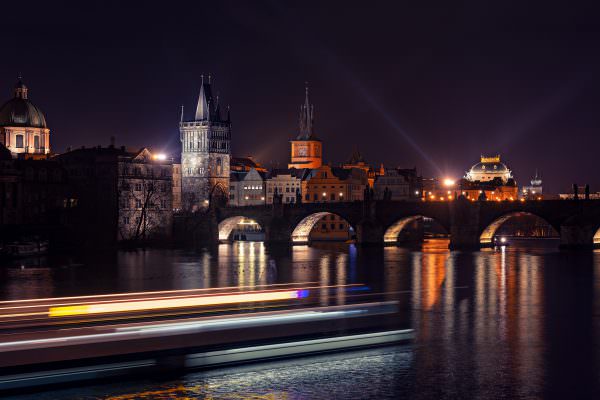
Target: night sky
413, 84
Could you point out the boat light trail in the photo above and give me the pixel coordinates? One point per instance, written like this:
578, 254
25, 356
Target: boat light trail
142, 305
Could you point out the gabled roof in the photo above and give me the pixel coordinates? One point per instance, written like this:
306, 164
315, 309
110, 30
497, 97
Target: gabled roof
301, 173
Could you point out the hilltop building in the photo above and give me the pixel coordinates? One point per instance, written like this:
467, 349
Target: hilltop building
205, 152
535, 190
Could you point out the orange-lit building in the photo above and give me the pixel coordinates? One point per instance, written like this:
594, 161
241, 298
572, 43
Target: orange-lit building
306, 151
331, 228
329, 184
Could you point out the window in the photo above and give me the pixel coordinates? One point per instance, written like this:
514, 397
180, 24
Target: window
333, 226
332, 217
219, 166
19, 141
315, 197
163, 203
341, 226
36, 142
287, 189
332, 196
307, 197
138, 203
126, 220
324, 227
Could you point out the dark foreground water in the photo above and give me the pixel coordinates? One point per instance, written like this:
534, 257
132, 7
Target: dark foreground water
522, 322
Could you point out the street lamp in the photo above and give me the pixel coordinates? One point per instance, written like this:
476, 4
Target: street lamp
449, 182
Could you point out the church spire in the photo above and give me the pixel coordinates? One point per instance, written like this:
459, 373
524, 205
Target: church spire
306, 118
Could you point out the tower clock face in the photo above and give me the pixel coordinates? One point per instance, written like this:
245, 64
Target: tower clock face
302, 151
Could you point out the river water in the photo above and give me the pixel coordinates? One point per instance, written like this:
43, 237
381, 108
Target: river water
519, 322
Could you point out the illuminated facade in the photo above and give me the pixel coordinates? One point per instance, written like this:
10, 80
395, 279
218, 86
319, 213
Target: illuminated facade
23, 128
329, 184
205, 152
145, 196
285, 182
396, 184
488, 169
246, 188
306, 149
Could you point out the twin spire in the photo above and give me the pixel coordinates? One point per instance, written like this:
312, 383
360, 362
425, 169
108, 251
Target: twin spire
306, 119
208, 108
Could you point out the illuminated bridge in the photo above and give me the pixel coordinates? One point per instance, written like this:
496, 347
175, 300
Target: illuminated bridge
470, 224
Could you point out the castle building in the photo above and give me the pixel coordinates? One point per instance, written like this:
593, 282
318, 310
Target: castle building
23, 128
306, 148
205, 152
533, 191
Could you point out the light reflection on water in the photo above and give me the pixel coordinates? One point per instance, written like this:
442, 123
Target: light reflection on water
519, 322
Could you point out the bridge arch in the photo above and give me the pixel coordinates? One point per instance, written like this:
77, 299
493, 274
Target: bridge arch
302, 230
487, 235
228, 225
392, 233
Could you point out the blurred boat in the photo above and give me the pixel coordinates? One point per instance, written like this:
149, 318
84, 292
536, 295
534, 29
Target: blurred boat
24, 249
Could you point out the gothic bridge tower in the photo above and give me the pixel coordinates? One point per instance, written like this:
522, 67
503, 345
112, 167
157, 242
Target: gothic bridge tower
306, 148
205, 152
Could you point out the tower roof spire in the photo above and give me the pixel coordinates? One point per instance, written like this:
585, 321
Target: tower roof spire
306, 118
204, 99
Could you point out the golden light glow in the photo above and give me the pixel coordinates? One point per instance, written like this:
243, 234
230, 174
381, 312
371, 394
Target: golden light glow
144, 305
494, 159
449, 182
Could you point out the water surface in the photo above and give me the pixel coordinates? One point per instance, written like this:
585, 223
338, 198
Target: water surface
518, 322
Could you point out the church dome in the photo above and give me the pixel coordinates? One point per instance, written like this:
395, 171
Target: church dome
19, 111
488, 169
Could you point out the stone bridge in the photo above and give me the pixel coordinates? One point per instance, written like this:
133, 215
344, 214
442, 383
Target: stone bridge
470, 224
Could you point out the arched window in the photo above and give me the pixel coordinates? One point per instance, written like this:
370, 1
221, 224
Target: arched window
219, 166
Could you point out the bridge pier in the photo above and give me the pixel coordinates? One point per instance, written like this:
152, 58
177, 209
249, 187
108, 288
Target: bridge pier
278, 231
369, 233
577, 236
464, 225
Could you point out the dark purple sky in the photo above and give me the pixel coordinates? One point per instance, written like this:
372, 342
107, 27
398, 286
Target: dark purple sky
410, 85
